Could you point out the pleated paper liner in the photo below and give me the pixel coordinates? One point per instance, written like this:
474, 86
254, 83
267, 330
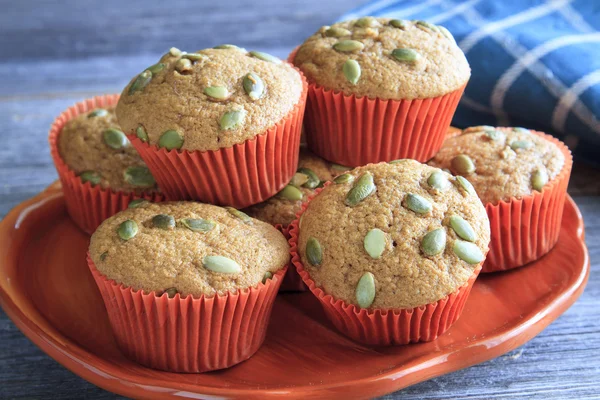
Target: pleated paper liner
88, 205
355, 131
292, 281
239, 176
525, 229
188, 334
385, 327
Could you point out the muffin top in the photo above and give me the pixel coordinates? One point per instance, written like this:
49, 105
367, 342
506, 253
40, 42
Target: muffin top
393, 236
96, 149
501, 163
193, 248
383, 58
282, 208
210, 99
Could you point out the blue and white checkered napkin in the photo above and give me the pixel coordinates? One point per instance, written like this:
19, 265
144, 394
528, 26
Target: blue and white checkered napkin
534, 63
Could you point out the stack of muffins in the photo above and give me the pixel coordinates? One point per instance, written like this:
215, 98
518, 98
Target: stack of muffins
193, 180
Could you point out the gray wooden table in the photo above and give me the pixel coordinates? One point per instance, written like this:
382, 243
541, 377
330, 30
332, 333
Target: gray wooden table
56, 53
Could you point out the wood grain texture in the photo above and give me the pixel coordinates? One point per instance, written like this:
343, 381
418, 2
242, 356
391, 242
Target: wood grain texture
54, 54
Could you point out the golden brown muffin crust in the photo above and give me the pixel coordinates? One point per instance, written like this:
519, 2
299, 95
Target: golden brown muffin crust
175, 100
278, 209
404, 276
501, 172
159, 259
82, 147
440, 68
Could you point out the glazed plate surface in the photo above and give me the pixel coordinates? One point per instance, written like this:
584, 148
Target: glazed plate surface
49, 293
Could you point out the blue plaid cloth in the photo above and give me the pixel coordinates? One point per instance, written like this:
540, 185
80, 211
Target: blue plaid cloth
534, 63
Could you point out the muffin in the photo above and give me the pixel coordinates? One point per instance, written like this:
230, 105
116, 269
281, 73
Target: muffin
99, 169
392, 250
380, 89
521, 176
220, 125
281, 209
207, 277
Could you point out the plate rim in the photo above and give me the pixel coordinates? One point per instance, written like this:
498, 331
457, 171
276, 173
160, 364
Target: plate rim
73, 356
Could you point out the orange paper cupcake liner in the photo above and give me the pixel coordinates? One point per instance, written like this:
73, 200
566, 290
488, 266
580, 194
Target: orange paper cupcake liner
355, 131
88, 205
292, 281
239, 176
385, 327
525, 229
188, 334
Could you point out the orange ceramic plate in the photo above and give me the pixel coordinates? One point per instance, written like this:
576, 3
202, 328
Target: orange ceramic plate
48, 291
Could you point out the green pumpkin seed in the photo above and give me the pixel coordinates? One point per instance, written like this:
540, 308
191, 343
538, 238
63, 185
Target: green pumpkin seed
418, 204
465, 184
363, 188
494, 134
194, 56
518, 129
314, 252
171, 292
343, 178
90, 176
198, 224
347, 46
98, 112
468, 252
337, 32
351, 70
253, 85
339, 167
291, 193
114, 138
221, 264
365, 290
399, 23
140, 82
232, 120
446, 33
103, 256
313, 179
462, 164
299, 179
239, 214
139, 176
217, 92
170, 140
438, 180
183, 65
163, 221
375, 243
521, 144
127, 229
137, 203
462, 228
268, 275
405, 55
366, 22
175, 52
156, 68
434, 242
478, 128
427, 25
141, 134
265, 57
229, 47
539, 179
